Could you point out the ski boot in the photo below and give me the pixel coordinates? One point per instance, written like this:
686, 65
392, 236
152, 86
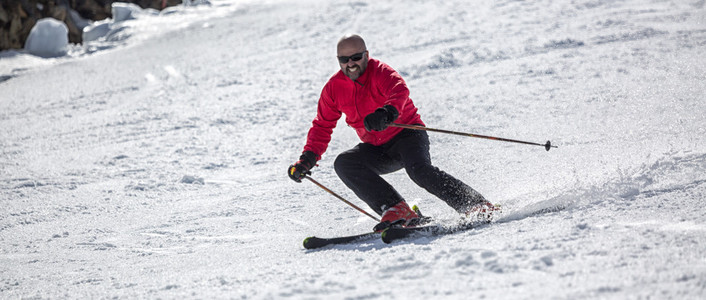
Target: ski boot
398, 215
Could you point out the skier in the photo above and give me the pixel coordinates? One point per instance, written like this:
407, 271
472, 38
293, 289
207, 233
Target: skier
372, 95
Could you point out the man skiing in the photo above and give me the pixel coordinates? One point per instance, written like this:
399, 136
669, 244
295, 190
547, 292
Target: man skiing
372, 95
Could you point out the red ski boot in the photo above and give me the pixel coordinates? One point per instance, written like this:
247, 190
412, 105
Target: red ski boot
400, 214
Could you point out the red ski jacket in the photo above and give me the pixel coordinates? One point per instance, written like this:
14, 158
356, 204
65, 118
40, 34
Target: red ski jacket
378, 86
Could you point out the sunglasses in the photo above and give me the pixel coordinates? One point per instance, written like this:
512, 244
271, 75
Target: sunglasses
354, 57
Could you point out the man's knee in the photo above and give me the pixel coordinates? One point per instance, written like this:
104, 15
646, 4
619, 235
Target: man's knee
344, 162
421, 173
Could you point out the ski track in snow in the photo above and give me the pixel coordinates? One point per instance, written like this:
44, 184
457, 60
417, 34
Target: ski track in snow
151, 164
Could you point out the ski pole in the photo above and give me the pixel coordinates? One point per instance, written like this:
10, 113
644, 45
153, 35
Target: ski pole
547, 146
341, 198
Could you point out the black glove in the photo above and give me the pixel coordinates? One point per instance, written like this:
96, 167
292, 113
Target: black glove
378, 120
301, 168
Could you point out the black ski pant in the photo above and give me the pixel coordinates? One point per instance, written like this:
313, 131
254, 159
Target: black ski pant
360, 169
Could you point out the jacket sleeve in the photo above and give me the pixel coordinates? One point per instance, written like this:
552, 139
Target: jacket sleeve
392, 86
327, 116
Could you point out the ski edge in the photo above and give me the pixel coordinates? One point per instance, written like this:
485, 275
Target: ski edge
396, 233
314, 242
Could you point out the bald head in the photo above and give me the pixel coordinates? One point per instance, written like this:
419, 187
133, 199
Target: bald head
351, 41
352, 55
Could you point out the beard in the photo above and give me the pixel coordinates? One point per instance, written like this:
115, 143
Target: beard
354, 71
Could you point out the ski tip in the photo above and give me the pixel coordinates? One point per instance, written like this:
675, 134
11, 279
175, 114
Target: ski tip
383, 235
415, 208
309, 243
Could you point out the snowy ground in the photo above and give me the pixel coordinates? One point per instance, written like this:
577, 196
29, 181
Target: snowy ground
151, 163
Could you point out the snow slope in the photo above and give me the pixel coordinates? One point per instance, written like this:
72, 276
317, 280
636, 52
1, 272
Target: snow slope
151, 163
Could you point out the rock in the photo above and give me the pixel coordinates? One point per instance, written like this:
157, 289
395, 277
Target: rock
4, 16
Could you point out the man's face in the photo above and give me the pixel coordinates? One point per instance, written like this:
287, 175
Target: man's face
348, 53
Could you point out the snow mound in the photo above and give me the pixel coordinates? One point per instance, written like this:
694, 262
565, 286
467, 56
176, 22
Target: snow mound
48, 38
125, 11
130, 22
115, 29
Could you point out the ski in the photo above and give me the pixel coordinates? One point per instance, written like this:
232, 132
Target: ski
317, 242
388, 235
396, 233
484, 217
